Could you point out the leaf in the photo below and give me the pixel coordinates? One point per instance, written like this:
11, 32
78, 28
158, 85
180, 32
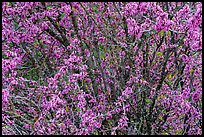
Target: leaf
148, 101
154, 31
162, 96
67, 109
15, 25
191, 71
11, 45
159, 98
109, 121
62, 16
170, 82
147, 34
161, 33
159, 53
153, 62
179, 131
164, 111
49, 7
45, 46
95, 9
160, 118
37, 42
168, 33
102, 49
95, 132
33, 73
4, 56
165, 133
169, 76
78, 109
39, 54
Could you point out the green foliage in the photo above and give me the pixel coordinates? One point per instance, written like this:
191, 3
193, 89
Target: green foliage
148, 101
62, 16
66, 108
11, 44
95, 132
168, 33
154, 32
37, 42
49, 7
147, 35
159, 53
102, 50
95, 9
15, 25
165, 133
169, 76
78, 109
39, 54
161, 33
4, 56
191, 71
179, 132
45, 46
33, 74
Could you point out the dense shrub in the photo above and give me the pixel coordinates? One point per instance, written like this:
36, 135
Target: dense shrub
101, 68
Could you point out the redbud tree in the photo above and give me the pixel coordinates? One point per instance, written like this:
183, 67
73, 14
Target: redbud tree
101, 68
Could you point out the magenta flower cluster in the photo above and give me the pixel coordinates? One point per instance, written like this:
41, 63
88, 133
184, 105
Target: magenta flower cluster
102, 68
